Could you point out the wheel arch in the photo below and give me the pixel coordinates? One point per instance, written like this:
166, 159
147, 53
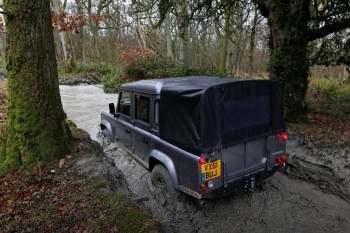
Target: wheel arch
105, 125
158, 157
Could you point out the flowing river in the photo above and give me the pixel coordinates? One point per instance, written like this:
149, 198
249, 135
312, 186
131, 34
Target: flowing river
281, 205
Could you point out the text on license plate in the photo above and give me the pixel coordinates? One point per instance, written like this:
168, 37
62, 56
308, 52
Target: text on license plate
211, 170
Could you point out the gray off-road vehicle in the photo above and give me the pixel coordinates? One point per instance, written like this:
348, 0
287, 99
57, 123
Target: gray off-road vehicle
201, 135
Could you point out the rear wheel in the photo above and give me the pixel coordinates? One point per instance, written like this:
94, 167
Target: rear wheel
161, 182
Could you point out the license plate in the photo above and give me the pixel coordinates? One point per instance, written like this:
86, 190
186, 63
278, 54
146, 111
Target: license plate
211, 170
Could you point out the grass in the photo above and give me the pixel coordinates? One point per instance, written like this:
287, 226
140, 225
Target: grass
329, 96
329, 113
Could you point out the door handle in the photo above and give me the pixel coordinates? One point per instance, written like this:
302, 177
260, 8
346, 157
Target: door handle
128, 131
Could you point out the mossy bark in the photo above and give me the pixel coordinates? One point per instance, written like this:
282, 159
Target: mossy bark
35, 129
289, 62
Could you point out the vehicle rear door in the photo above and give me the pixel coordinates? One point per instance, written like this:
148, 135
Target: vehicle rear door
244, 159
124, 122
142, 126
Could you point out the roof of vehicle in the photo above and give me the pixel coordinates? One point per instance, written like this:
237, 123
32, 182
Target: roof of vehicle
154, 86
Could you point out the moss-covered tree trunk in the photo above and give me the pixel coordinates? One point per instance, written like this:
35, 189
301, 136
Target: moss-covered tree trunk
35, 128
289, 62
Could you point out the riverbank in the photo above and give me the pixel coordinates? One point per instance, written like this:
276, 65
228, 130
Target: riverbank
81, 192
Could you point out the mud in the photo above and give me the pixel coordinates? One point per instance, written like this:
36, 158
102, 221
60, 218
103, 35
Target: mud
282, 204
327, 166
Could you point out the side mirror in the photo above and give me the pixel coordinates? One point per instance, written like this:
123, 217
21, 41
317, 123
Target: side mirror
112, 109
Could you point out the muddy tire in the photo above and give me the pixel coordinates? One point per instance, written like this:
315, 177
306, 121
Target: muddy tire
162, 184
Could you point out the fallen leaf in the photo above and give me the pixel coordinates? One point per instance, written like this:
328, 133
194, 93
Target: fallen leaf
61, 163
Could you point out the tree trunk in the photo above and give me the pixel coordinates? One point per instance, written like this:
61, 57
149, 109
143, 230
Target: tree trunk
183, 33
65, 39
238, 41
169, 50
252, 41
80, 34
289, 62
94, 29
225, 40
35, 129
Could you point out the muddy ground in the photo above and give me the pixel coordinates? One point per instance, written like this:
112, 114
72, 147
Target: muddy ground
313, 198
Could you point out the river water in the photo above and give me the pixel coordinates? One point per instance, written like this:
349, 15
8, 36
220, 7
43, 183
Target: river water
83, 104
282, 205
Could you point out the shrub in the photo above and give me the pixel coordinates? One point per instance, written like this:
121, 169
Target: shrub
112, 81
100, 68
145, 64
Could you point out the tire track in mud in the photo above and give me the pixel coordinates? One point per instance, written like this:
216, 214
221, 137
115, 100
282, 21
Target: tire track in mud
282, 205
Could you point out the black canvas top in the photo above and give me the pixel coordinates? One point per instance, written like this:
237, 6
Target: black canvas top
205, 114
154, 86
202, 114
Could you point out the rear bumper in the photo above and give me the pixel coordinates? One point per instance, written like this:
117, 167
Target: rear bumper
238, 184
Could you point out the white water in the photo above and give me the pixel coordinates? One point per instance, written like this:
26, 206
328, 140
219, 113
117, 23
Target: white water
83, 104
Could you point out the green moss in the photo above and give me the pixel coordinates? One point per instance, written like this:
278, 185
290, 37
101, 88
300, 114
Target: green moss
35, 127
125, 214
76, 132
129, 217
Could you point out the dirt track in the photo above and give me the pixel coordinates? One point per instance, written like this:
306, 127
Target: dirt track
282, 205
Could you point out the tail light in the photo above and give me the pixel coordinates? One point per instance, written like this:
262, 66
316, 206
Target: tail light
281, 160
202, 160
203, 187
283, 137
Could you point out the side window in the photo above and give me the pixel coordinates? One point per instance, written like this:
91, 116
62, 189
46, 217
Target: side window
142, 106
156, 111
124, 105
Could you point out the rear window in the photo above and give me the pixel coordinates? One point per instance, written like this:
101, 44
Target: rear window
246, 113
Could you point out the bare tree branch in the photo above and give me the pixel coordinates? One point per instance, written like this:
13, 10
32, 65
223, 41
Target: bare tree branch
328, 29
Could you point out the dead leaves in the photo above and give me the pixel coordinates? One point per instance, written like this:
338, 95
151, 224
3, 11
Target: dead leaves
51, 202
61, 163
323, 129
